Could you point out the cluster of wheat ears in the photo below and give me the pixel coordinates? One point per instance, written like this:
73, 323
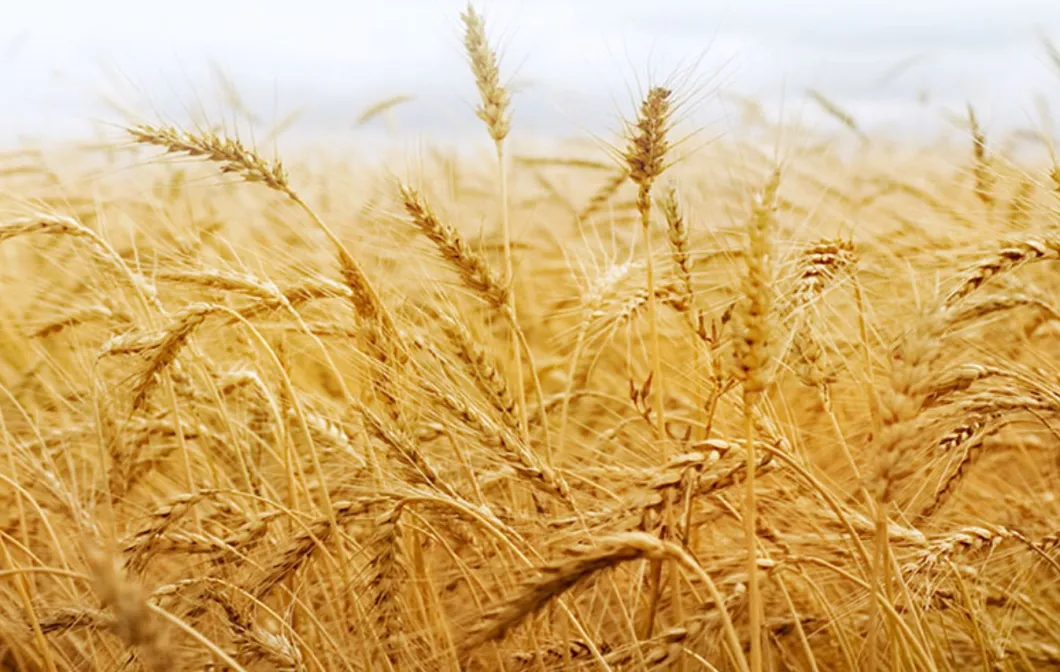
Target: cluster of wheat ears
646, 411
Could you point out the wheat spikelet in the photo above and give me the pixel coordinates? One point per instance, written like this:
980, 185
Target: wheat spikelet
648, 145
982, 173
296, 295
901, 403
959, 379
973, 447
964, 540
753, 361
551, 657
989, 305
836, 112
630, 307
996, 402
603, 195
292, 556
546, 161
152, 345
1047, 654
603, 286
65, 619
666, 484
1011, 256
512, 449
239, 541
406, 449
811, 365
79, 316
254, 642
60, 225
328, 432
231, 154
227, 281
389, 571
381, 107
960, 434
679, 250
645, 157
1019, 214
752, 316
495, 98
494, 110
162, 518
482, 368
233, 157
471, 267
46, 224
819, 265
385, 361
159, 348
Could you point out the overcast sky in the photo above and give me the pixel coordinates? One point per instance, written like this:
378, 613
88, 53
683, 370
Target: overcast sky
575, 62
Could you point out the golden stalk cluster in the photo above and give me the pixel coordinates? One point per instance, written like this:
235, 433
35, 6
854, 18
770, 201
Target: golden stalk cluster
617, 410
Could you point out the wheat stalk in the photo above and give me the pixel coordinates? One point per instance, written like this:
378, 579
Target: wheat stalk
752, 350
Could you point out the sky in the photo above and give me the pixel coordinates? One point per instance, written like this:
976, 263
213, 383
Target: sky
72, 67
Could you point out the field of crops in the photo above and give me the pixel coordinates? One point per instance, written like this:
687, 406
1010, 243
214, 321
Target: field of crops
772, 400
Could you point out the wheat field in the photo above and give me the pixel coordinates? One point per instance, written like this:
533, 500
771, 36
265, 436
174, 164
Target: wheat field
769, 401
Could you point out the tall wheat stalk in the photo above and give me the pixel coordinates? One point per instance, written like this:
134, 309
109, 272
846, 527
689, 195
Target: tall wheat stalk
646, 158
494, 111
752, 350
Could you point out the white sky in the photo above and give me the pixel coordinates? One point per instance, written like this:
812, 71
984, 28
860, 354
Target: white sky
581, 57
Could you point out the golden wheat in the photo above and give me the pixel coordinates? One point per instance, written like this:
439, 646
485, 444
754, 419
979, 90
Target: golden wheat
321, 437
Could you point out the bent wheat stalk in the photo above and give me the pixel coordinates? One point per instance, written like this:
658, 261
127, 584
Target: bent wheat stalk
235, 158
587, 561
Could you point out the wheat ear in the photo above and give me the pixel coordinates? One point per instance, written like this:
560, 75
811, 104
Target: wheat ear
471, 267
982, 172
234, 157
1011, 256
586, 561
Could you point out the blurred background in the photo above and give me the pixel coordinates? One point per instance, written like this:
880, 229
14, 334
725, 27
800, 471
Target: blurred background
307, 70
